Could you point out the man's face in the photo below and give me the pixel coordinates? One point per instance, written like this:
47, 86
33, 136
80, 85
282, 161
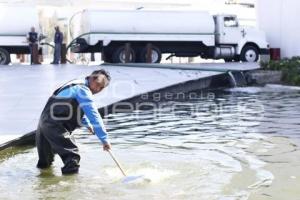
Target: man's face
98, 84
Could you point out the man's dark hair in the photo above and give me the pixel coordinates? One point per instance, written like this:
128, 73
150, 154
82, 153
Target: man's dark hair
100, 71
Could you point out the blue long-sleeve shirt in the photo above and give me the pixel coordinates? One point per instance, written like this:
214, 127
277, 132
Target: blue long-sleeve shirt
84, 97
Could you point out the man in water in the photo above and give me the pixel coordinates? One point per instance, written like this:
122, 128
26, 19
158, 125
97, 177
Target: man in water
70, 107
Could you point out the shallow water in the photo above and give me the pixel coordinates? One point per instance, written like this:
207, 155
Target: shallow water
242, 144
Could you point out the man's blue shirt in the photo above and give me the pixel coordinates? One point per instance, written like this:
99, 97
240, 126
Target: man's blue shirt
84, 97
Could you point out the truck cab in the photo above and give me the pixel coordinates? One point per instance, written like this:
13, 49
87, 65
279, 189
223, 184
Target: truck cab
227, 29
246, 42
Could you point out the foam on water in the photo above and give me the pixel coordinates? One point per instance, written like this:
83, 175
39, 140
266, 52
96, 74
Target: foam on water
249, 90
266, 88
148, 174
282, 87
156, 175
265, 179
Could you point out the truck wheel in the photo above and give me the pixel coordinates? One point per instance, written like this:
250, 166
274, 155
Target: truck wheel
119, 55
155, 56
249, 54
4, 57
107, 57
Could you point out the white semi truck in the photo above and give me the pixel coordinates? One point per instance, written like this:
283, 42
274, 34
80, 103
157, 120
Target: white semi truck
179, 33
15, 23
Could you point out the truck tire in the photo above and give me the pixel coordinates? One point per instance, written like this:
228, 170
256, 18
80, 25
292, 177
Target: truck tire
249, 54
107, 57
156, 55
4, 57
119, 55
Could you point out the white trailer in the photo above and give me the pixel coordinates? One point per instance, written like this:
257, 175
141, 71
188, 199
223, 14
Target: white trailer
180, 33
15, 23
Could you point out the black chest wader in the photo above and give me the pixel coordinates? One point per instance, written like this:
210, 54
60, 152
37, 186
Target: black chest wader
59, 118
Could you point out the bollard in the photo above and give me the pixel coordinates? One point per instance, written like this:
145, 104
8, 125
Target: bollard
275, 54
92, 57
41, 58
127, 52
35, 54
63, 54
103, 57
21, 57
149, 53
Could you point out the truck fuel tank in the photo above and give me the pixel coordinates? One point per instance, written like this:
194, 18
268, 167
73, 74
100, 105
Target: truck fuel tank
224, 52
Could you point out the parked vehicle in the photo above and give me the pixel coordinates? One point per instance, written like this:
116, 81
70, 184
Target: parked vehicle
179, 33
15, 24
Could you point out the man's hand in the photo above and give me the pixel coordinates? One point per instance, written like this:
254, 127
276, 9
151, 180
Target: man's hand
90, 128
106, 147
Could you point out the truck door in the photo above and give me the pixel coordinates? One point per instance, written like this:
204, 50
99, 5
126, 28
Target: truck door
230, 33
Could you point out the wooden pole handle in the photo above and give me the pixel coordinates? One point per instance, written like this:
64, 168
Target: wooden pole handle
117, 163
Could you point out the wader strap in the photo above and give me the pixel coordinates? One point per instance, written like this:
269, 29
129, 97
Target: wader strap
65, 87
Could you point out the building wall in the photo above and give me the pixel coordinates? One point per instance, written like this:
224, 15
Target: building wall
280, 20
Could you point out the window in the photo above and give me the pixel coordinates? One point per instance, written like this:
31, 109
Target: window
230, 22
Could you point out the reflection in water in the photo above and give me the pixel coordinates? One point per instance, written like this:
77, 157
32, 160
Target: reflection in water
244, 144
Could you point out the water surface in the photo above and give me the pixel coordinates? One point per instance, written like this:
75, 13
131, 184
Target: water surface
242, 144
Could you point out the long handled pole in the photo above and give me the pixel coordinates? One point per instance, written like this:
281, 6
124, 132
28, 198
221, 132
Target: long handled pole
117, 163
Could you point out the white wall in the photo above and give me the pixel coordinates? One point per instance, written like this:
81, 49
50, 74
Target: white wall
280, 20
